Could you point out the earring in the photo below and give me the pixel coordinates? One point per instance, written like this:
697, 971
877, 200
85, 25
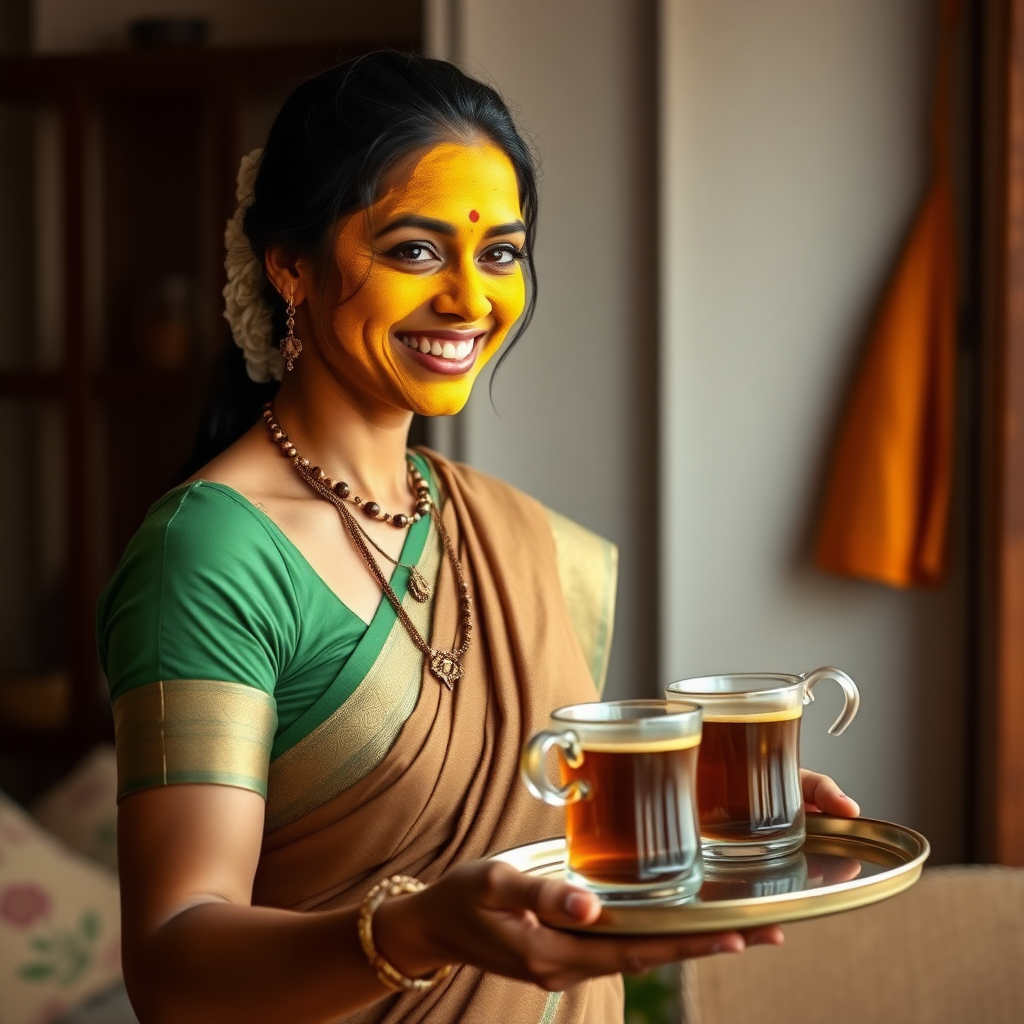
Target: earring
291, 347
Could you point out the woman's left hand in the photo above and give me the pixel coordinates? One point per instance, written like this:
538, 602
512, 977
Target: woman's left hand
822, 794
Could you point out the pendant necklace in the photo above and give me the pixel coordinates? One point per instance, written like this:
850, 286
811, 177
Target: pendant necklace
445, 666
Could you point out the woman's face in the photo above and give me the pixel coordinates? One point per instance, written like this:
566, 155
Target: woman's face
430, 279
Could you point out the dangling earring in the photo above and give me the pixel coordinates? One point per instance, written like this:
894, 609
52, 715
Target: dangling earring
291, 347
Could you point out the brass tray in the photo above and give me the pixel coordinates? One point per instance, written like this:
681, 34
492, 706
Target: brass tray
845, 863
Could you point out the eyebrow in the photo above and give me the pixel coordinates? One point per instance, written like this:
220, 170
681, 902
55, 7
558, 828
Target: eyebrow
442, 227
511, 228
414, 220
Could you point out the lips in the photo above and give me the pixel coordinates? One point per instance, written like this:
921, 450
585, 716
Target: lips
441, 345
446, 352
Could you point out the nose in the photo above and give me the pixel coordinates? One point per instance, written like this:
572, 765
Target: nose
463, 295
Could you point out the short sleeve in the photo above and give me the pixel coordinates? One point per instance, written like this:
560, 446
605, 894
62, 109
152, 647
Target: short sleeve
194, 629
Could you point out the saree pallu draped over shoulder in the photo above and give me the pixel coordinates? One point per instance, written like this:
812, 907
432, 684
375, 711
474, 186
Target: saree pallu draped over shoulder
448, 790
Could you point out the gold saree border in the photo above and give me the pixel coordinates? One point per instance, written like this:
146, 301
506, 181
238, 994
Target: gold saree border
193, 730
550, 1008
356, 738
588, 569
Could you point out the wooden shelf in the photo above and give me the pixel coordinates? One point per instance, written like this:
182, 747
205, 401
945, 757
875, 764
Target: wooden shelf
149, 143
32, 383
37, 80
130, 386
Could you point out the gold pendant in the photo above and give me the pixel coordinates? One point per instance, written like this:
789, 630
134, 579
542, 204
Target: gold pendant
418, 585
446, 667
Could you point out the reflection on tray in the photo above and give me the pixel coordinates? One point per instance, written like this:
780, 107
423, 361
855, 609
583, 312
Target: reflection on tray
796, 873
825, 869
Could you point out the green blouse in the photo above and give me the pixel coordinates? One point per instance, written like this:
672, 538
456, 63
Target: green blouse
230, 661
211, 591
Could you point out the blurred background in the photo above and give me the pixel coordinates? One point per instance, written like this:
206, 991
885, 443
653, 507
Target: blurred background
727, 186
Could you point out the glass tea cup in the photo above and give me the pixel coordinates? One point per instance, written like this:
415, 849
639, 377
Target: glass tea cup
628, 772
748, 774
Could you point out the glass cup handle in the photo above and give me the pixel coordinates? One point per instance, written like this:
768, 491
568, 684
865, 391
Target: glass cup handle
850, 693
532, 768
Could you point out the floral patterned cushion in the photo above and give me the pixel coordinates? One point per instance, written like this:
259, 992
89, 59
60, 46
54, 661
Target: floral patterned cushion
81, 809
110, 1007
60, 930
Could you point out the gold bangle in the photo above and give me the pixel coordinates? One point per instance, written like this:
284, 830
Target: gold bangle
396, 885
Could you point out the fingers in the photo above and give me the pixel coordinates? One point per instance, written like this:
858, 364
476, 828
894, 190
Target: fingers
510, 933
646, 954
562, 960
770, 935
821, 793
581, 957
561, 905
554, 903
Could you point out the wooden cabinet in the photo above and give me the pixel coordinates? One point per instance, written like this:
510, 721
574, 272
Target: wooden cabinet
117, 174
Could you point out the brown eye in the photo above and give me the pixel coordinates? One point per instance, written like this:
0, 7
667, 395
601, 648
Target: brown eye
505, 256
413, 252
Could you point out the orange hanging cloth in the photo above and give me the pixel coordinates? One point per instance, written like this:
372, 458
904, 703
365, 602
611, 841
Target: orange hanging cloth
887, 503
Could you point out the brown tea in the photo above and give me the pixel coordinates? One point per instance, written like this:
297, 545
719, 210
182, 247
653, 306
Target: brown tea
638, 824
748, 782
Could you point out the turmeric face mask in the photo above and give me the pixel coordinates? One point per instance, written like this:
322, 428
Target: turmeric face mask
431, 278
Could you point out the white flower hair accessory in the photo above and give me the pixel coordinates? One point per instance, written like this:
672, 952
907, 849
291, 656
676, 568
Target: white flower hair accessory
244, 306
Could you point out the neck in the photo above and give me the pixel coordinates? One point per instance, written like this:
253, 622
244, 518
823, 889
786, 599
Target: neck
350, 440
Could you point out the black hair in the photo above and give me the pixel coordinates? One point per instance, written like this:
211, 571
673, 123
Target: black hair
328, 153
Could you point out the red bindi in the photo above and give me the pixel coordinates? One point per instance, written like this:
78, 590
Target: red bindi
474, 216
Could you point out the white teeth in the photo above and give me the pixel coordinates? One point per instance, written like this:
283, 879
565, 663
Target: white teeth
456, 350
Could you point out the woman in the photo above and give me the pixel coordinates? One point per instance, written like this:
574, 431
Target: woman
298, 720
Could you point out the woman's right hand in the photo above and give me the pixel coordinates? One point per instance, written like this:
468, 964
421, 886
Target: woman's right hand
487, 914
194, 948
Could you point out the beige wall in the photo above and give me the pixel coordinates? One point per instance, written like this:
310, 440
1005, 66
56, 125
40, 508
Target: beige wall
792, 160
575, 421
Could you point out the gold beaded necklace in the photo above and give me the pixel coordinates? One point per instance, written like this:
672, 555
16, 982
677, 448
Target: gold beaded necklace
445, 666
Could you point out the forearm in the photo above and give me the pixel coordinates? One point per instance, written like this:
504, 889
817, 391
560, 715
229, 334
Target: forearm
195, 950
219, 961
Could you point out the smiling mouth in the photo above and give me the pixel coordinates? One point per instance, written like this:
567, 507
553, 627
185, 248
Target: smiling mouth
453, 351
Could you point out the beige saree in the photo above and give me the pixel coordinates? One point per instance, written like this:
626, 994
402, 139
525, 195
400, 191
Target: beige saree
448, 789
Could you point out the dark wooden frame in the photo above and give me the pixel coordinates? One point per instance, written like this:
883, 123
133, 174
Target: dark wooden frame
1000, 690
76, 87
